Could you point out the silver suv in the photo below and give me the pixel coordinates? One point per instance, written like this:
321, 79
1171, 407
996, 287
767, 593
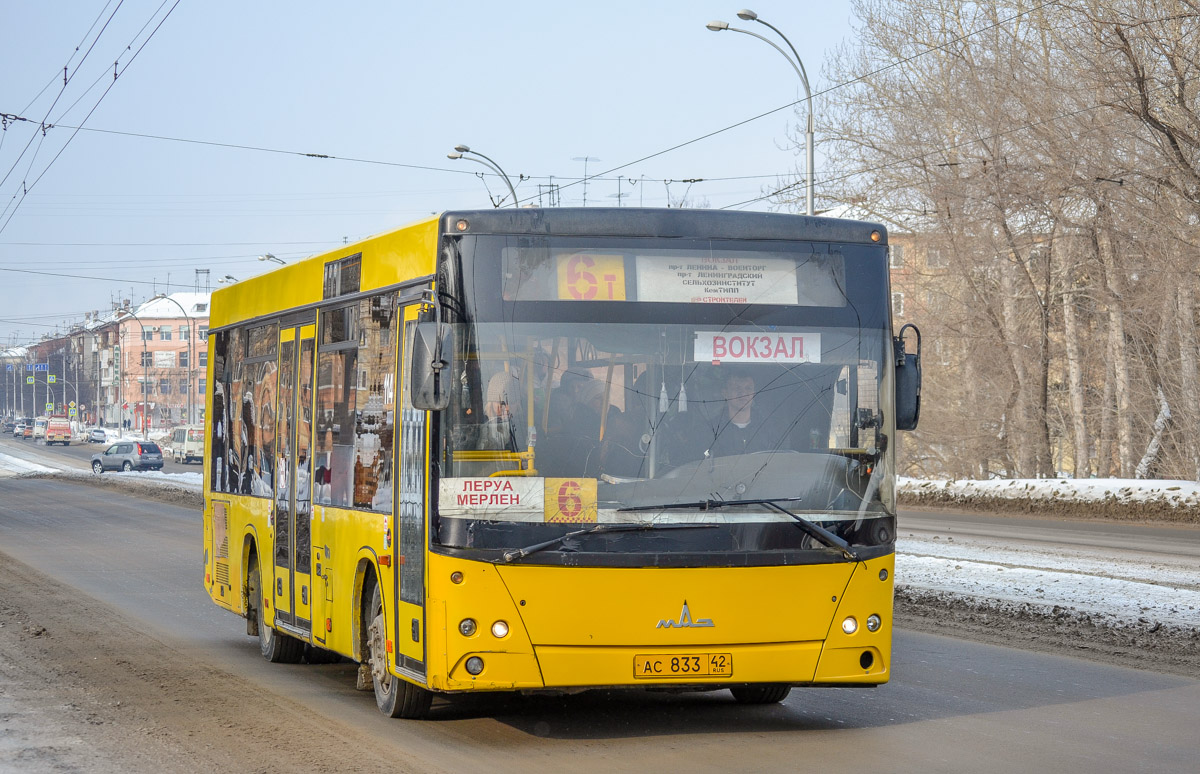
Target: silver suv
128, 455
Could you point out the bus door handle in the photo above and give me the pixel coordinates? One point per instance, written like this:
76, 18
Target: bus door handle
279, 587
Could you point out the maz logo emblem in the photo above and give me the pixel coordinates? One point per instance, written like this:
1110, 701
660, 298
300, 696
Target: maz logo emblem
685, 621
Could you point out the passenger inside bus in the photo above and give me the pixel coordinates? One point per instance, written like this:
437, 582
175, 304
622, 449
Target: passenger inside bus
504, 429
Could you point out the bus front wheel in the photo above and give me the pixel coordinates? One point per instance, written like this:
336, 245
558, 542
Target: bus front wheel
395, 698
766, 693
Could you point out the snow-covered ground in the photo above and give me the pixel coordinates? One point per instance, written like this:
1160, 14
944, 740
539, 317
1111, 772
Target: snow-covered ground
1109, 587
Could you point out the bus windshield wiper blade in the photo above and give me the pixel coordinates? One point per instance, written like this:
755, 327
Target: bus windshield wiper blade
520, 553
815, 531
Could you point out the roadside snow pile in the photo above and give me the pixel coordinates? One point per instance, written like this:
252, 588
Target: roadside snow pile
1177, 493
1114, 498
192, 483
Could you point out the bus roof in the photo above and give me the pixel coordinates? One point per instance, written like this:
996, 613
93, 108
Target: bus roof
410, 251
387, 259
670, 223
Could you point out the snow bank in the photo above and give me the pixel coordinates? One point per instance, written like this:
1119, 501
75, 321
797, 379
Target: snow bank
1087, 490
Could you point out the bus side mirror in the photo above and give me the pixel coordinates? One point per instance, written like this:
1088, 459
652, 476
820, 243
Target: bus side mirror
430, 378
908, 381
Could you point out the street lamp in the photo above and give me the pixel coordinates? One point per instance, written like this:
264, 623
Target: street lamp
145, 377
269, 257
191, 349
228, 278
461, 151
798, 66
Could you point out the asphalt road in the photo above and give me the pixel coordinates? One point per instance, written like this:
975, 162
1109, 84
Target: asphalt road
77, 454
1178, 541
952, 705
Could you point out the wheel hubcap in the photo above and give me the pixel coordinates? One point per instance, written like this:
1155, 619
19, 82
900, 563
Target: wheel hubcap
378, 659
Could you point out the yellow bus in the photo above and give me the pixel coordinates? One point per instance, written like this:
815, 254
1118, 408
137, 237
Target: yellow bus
564, 449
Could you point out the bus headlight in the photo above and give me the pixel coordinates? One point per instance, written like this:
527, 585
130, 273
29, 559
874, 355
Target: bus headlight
467, 627
500, 629
873, 623
850, 626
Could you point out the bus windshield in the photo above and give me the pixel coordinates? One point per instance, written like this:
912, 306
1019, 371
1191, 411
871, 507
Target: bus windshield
557, 425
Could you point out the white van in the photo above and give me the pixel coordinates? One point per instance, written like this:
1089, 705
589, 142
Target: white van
187, 443
39, 427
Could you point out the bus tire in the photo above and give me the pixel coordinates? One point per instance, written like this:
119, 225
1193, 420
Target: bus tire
276, 647
395, 698
314, 654
763, 693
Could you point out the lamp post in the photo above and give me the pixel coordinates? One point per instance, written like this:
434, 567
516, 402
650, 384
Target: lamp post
227, 279
461, 151
191, 348
269, 257
145, 377
798, 66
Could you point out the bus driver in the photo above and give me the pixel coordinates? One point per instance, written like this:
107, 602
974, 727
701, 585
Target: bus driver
740, 430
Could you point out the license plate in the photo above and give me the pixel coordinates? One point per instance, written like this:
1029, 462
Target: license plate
673, 665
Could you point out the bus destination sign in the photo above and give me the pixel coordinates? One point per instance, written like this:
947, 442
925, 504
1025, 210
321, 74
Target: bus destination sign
717, 279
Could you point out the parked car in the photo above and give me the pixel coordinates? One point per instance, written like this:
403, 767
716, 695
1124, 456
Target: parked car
187, 444
128, 455
97, 435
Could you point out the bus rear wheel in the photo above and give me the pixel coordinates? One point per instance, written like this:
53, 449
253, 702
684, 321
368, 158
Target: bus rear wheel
766, 693
395, 698
275, 647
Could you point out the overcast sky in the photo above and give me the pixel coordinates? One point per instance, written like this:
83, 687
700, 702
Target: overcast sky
534, 85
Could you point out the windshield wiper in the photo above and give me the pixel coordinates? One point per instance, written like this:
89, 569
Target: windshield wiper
520, 553
815, 531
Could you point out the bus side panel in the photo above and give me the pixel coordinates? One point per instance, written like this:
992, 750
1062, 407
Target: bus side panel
345, 542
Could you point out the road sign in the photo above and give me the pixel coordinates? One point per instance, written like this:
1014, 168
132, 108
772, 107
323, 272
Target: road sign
8, 367
71, 412
71, 404
29, 380
41, 366
29, 366
125, 406
52, 379
49, 407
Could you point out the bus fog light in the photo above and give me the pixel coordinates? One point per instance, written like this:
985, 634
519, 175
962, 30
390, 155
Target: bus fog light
474, 665
850, 626
873, 623
499, 629
466, 627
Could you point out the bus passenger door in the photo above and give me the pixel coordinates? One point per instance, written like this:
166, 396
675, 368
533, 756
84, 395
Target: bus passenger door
293, 549
409, 543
